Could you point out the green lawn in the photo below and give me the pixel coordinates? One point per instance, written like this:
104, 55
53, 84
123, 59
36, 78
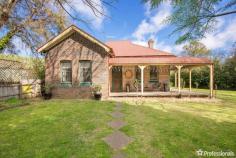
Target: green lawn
160, 127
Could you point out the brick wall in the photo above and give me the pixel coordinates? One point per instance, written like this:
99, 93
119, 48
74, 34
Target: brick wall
77, 48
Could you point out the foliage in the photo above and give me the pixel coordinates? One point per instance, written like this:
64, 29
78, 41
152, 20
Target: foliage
35, 21
136, 84
12, 103
5, 40
38, 68
224, 75
224, 68
47, 88
35, 64
32, 21
97, 88
194, 18
196, 49
227, 72
14, 57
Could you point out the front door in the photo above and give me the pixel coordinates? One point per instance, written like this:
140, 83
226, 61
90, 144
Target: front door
116, 79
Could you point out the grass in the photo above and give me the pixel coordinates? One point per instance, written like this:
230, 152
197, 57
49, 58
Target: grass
222, 94
55, 128
179, 128
11, 103
160, 127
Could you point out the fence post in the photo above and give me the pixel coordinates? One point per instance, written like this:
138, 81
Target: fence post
20, 90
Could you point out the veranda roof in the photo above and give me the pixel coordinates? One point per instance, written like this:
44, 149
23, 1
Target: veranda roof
160, 60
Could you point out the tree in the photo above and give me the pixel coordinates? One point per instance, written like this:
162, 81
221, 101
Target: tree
32, 21
35, 21
200, 75
194, 18
38, 68
230, 70
196, 49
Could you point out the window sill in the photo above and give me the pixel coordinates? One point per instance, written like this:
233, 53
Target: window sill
66, 84
153, 81
85, 84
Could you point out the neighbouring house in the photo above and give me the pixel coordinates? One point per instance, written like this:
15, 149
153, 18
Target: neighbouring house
75, 60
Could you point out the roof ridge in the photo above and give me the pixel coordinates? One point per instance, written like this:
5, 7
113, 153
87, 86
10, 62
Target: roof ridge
137, 45
151, 48
118, 41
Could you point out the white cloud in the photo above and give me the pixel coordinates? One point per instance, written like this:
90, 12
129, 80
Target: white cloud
224, 37
96, 19
141, 43
174, 49
147, 7
152, 25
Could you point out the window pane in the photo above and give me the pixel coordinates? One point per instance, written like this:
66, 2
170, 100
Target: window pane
66, 71
85, 71
153, 73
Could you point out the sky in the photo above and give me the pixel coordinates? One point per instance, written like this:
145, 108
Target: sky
135, 21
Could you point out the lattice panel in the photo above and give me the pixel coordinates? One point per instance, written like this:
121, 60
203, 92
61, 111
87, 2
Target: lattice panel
11, 71
10, 75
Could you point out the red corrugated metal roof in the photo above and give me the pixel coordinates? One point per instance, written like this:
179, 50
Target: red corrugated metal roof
127, 48
159, 60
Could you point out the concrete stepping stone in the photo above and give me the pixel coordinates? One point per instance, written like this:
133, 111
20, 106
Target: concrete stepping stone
117, 114
118, 108
119, 155
118, 105
117, 140
117, 124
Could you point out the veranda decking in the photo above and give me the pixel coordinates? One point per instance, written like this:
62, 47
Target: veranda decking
172, 93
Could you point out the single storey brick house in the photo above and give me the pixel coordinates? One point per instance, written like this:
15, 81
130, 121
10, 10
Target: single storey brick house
76, 60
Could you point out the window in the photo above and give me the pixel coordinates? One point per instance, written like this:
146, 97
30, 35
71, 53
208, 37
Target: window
153, 73
66, 72
137, 73
85, 68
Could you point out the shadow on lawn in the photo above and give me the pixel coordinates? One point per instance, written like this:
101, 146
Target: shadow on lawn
12, 103
216, 109
171, 132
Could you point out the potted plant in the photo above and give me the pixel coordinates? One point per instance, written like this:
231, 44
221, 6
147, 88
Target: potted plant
97, 92
47, 88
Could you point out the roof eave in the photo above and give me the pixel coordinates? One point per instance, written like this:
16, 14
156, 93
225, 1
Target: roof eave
66, 33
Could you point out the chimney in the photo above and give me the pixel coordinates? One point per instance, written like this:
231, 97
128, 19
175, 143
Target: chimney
150, 43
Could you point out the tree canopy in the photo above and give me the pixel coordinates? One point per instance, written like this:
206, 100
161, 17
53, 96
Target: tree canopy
196, 49
35, 21
224, 73
194, 18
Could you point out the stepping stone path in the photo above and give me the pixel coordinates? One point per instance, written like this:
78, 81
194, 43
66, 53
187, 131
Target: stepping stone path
117, 124
117, 140
117, 114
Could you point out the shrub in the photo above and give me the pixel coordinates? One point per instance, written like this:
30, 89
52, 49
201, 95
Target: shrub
97, 88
